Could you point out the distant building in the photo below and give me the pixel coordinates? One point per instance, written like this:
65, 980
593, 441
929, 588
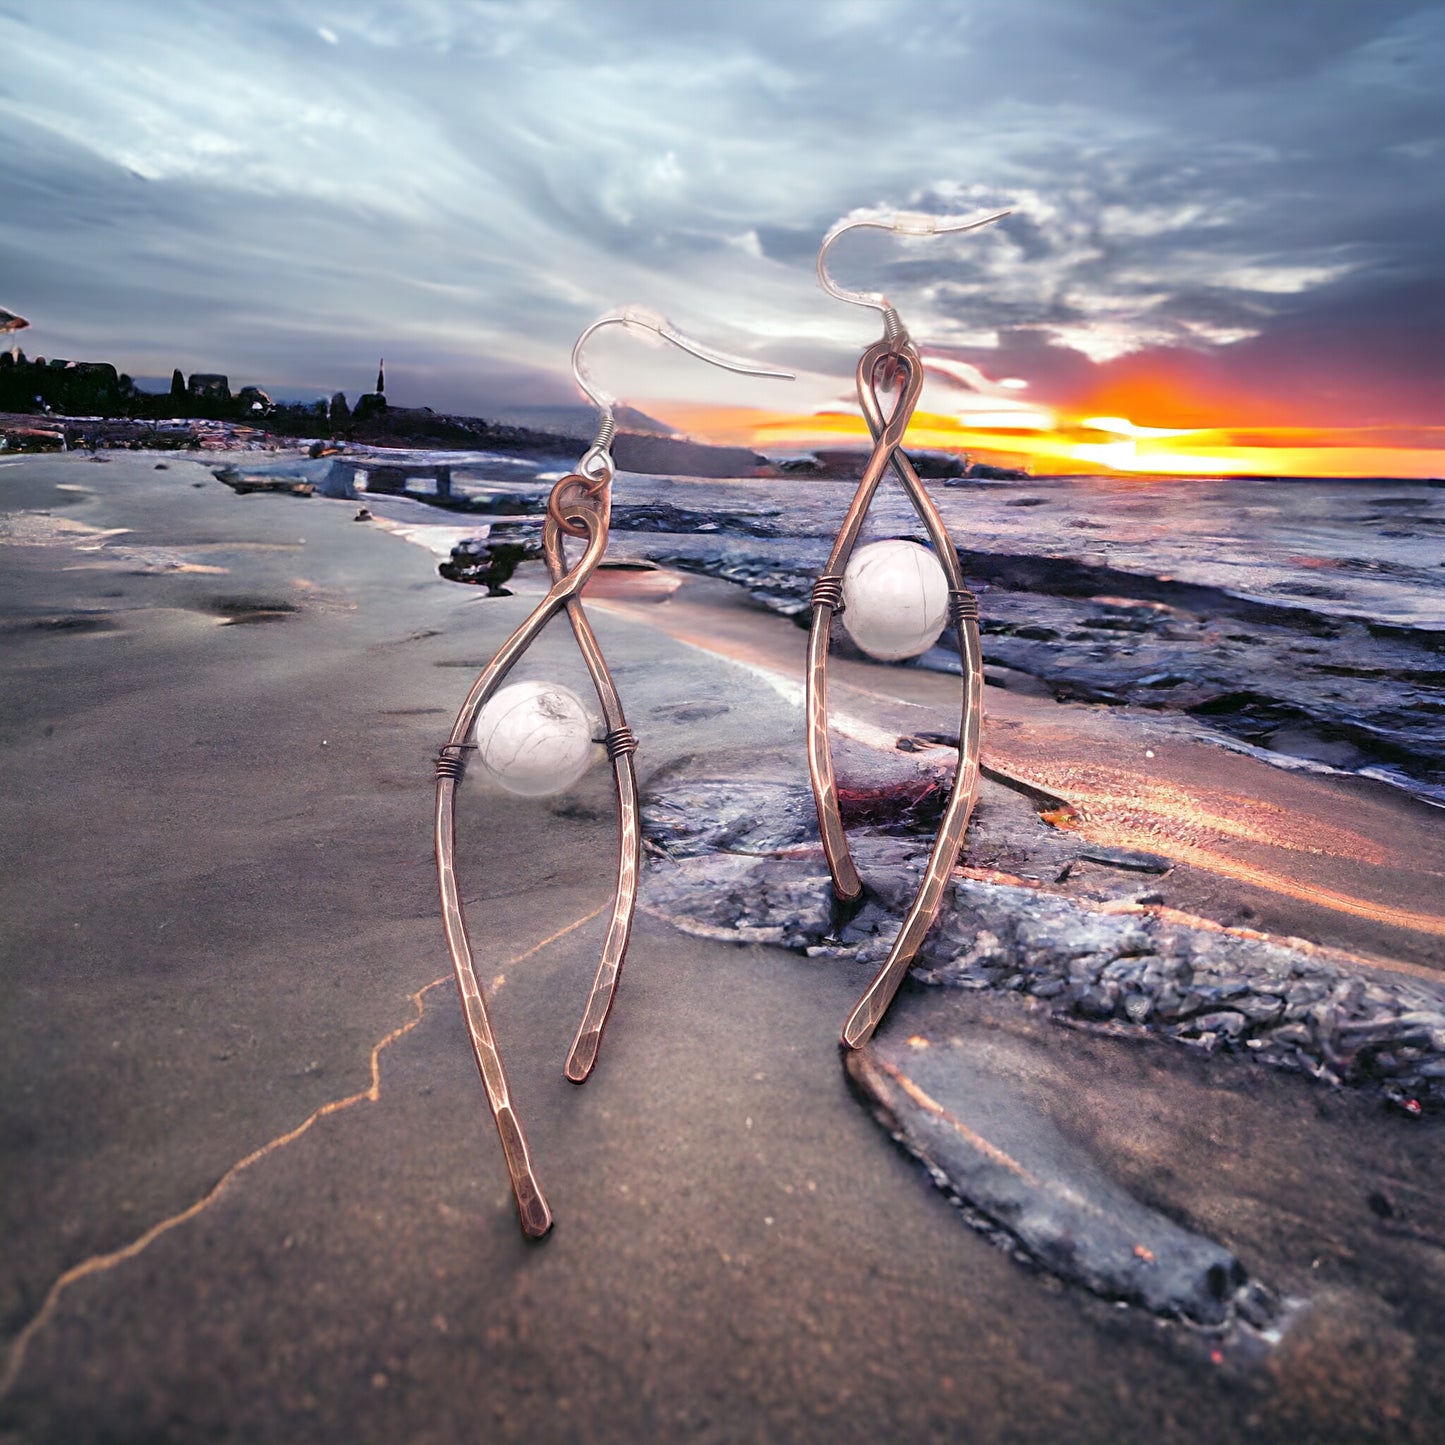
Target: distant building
210, 386
10, 322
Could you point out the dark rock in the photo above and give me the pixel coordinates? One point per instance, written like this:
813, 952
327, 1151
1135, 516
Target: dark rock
988, 471
665, 517
938, 466
1121, 965
760, 817
489, 563
1130, 858
1046, 1193
1226, 1024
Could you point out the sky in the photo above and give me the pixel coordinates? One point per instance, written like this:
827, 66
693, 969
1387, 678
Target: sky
1224, 252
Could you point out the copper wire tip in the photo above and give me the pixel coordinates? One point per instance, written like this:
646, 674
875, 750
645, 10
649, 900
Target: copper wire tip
535, 1216
859, 1029
583, 1057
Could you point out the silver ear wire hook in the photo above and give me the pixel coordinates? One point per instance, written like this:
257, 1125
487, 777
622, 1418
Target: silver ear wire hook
901, 223
597, 463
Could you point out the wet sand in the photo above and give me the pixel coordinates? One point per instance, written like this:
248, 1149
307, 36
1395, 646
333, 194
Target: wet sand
220, 929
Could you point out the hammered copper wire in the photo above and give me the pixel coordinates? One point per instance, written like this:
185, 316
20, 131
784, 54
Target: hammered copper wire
580, 506
897, 353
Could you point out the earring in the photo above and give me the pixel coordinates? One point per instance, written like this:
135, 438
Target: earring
895, 599
535, 738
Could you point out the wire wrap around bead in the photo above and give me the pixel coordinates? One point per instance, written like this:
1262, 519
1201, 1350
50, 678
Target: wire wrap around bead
451, 761
962, 605
828, 592
619, 742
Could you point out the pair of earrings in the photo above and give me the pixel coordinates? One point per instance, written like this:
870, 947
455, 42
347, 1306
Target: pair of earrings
536, 738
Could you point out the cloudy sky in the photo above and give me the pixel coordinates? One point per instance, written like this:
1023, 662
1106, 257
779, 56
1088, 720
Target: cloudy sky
1226, 213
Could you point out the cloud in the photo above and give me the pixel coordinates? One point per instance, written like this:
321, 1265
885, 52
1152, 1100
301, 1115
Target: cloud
286, 191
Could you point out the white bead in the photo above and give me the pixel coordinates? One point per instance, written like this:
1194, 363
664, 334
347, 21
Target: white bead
895, 599
535, 738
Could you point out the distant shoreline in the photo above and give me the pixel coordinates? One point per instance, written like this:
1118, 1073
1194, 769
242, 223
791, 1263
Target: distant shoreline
31, 433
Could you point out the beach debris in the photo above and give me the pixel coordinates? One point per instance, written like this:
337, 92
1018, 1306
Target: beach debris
243, 483
28, 435
489, 562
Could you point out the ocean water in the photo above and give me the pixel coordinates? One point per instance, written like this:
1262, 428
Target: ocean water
1372, 549
1302, 620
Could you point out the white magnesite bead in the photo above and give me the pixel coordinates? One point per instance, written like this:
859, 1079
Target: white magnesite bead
535, 738
895, 599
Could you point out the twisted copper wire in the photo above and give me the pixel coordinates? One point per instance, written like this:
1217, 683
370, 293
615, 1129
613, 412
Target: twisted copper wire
579, 506
897, 354
586, 490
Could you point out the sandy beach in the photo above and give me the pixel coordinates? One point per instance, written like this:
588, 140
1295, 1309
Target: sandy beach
252, 1189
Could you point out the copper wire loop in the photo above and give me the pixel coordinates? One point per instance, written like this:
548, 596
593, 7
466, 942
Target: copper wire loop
828, 592
589, 489
619, 743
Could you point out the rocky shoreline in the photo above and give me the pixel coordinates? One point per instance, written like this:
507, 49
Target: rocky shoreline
1093, 946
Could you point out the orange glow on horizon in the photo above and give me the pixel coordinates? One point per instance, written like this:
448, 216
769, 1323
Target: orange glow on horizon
1093, 443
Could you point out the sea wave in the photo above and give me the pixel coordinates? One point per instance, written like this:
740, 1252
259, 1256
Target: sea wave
1303, 621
